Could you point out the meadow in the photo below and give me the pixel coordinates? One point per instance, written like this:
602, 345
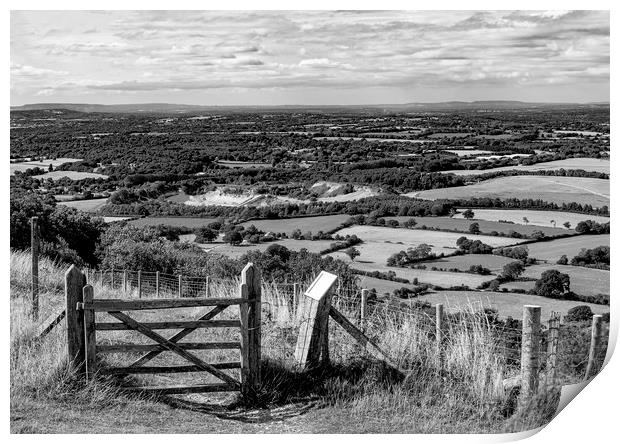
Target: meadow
584, 281
43, 164
493, 262
552, 250
555, 189
88, 206
236, 251
535, 218
73, 175
305, 224
189, 222
578, 163
457, 222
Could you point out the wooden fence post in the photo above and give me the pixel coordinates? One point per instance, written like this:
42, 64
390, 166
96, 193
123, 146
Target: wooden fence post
595, 343
125, 281
180, 285
313, 331
295, 296
207, 290
74, 284
139, 283
363, 307
552, 348
157, 283
530, 351
34, 250
439, 332
250, 318
90, 337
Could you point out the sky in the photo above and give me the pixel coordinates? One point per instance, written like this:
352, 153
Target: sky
308, 57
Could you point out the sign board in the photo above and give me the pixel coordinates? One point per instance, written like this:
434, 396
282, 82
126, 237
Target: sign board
321, 285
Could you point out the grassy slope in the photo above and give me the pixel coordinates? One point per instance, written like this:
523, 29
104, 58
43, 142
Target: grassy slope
353, 395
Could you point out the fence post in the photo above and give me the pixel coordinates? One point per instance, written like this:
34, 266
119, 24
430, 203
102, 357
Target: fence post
552, 348
595, 342
295, 296
112, 278
34, 250
530, 351
157, 284
439, 332
90, 338
180, 285
363, 307
250, 318
125, 281
312, 340
207, 291
139, 283
74, 283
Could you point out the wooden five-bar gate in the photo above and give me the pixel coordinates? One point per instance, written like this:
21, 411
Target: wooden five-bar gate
83, 325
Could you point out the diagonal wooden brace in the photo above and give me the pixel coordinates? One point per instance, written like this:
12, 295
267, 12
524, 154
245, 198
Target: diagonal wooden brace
178, 336
135, 325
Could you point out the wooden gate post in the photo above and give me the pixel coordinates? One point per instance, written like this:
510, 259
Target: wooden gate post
90, 337
595, 342
530, 351
313, 331
250, 319
74, 284
364, 301
180, 285
552, 348
139, 283
34, 250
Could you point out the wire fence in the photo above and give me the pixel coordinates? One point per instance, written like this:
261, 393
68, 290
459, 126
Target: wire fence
406, 332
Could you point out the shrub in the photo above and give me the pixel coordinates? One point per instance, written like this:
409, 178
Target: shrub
578, 314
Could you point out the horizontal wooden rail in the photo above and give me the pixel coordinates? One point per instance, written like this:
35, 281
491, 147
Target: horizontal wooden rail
215, 387
120, 348
173, 369
169, 325
156, 304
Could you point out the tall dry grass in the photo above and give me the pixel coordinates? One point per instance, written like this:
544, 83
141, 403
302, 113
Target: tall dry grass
456, 390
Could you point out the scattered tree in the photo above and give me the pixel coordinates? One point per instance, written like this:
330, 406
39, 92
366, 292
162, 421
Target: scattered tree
468, 214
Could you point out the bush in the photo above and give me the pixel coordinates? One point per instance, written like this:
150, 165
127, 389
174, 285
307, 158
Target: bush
578, 314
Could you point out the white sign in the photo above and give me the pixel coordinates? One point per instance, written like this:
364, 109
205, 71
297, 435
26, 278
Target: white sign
321, 285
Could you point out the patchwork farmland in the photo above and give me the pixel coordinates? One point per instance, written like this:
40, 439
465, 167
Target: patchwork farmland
535, 218
579, 163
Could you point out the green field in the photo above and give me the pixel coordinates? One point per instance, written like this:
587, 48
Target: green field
88, 206
584, 281
305, 224
553, 189
535, 218
492, 262
189, 222
551, 251
73, 175
486, 226
586, 164
507, 304
240, 250
43, 164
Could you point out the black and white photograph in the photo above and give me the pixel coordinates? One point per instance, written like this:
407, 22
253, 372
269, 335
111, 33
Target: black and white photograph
314, 221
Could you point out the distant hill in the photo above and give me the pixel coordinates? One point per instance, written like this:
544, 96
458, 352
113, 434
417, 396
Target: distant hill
412, 107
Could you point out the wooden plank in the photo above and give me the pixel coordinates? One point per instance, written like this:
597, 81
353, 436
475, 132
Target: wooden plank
142, 328
360, 337
203, 388
595, 345
90, 335
250, 320
170, 325
74, 283
158, 304
121, 348
144, 370
530, 353
180, 335
49, 324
